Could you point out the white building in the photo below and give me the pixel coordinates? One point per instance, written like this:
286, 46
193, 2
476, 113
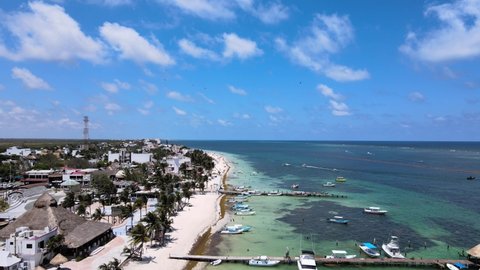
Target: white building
141, 157
174, 163
36, 176
18, 151
83, 176
9, 261
30, 245
122, 156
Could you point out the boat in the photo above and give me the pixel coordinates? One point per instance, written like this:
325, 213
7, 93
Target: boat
456, 266
231, 230
392, 249
370, 249
471, 177
341, 179
338, 219
262, 261
240, 206
245, 213
244, 228
375, 210
216, 262
329, 184
306, 261
294, 186
340, 254
286, 164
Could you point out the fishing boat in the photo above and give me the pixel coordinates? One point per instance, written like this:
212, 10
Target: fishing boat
471, 177
338, 219
375, 210
306, 261
370, 249
340, 254
341, 179
216, 262
294, 186
456, 266
392, 249
329, 184
286, 164
248, 212
240, 206
262, 261
231, 230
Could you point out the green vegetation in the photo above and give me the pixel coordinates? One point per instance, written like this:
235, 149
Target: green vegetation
3, 205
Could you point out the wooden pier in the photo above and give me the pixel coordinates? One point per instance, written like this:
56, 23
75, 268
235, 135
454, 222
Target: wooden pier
284, 193
439, 263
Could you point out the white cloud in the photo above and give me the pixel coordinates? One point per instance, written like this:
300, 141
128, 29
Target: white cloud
237, 91
132, 46
145, 110
179, 96
236, 46
178, 111
111, 108
326, 36
271, 13
224, 123
47, 33
114, 3
193, 50
150, 88
273, 110
29, 80
244, 116
205, 9
456, 37
339, 108
207, 99
328, 92
416, 97
114, 86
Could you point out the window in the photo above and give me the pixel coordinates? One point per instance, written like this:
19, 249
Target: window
29, 246
41, 244
11, 243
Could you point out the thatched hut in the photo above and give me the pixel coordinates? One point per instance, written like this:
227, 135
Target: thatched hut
474, 254
81, 235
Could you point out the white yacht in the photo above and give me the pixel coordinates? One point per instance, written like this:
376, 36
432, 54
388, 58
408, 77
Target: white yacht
340, 254
375, 210
392, 249
262, 261
306, 261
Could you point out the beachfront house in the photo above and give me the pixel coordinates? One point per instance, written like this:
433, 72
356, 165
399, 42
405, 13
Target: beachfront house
29, 245
175, 162
9, 261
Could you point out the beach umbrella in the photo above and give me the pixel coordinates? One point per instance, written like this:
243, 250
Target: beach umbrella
58, 259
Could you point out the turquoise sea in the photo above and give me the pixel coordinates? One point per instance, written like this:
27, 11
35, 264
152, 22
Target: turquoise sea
433, 208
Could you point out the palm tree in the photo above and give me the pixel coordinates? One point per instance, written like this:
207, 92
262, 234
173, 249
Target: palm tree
97, 215
55, 243
139, 203
165, 222
153, 226
127, 211
139, 236
111, 265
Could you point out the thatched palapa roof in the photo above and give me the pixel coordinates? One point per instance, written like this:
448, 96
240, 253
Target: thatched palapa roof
475, 251
47, 213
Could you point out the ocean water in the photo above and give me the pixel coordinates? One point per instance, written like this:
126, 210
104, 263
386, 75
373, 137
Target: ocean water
432, 208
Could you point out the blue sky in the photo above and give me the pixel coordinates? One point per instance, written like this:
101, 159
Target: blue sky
241, 69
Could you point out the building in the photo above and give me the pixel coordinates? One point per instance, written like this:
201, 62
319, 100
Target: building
81, 236
174, 163
83, 176
9, 261
141, 157
36, 176
121, 157
29, 245
12, 151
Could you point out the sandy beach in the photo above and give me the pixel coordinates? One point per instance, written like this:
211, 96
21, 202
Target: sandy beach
189, 224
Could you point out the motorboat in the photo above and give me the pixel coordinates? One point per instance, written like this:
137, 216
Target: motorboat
247, 212
262, 261
340, 254
338, 219
244, 228
294, 186
329, 184
306, 261
240, 206
216, 262
341, 179
286, 164
375, 210
471, 177
392, 249
231, 230
456, 266
370, 249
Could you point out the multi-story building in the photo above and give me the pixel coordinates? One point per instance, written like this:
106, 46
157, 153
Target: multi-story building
36, 176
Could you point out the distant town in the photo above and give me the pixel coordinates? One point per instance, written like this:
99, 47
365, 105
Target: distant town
62, 203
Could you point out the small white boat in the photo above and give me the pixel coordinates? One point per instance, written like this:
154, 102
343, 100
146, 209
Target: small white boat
216, 262
329, 184
244, 228
306, 261
340, 254
456, 266
370, 249
295, 186
262, 261
286, 164
375, 210
341, 179
338, 219
392, 249
245, 213
231, 230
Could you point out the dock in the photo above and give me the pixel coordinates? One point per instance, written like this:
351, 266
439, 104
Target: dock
386, 262
284, 193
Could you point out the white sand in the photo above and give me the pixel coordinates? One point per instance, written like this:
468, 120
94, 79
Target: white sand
188, 225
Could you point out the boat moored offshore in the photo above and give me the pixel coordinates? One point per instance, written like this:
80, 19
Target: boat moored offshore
392, 249
262, 261
375, 210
